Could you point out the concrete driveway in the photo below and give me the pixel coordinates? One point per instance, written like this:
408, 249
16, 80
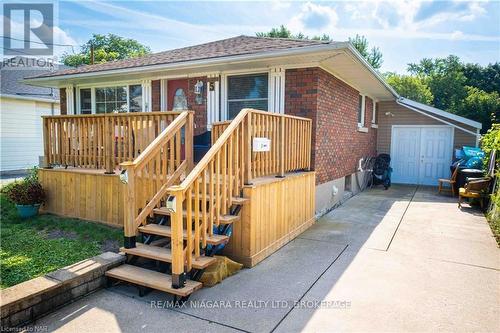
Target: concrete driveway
404, 259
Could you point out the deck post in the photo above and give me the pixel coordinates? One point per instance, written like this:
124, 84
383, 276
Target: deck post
108, 147
282, 148
248, 155
189, 141
129, 227
177, 239
46, 143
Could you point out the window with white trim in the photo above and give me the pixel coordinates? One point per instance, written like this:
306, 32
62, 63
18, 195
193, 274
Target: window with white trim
361, 111
86, 101
112, 99
247, 91
374, 113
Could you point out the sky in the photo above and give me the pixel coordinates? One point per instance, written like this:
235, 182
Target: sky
405, 31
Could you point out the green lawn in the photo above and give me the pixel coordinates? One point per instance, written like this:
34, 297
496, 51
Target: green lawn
33, 247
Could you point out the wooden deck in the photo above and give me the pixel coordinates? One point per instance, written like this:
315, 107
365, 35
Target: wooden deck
258, 199
279, 209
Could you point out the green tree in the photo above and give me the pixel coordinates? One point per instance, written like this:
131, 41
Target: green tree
481, 106
373, 55
445, 78
284, 32
106, 48
412, 87
485, 78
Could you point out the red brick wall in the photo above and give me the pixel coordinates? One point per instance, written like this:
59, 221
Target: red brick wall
155, 95
62, 101
333, 105
200, 117
200, 110
301, 96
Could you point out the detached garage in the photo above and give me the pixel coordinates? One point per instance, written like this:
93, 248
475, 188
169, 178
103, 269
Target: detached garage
421, 140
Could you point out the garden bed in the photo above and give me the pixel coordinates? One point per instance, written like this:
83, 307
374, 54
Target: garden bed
33, 247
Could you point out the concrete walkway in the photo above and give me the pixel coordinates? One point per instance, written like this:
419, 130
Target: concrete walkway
404, 259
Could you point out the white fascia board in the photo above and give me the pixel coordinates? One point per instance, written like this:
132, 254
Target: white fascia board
441, 113
28, 98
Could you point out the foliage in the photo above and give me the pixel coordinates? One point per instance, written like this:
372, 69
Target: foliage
106, 48
373, 55
29, 248
412, 87
283, 32
489, 142
445, 78
28, 191
485, 78
468, 90
480, 106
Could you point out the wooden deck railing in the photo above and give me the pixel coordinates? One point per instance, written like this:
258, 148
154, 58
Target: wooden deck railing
290, 138
222, 173
157, 168
101, 141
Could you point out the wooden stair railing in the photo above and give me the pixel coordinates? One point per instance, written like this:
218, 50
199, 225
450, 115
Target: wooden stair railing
100, 141
156, 169
221, 174
196, 215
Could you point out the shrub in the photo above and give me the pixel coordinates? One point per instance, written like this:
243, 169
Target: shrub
28, 191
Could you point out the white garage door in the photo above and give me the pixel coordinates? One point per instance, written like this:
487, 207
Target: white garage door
421, 154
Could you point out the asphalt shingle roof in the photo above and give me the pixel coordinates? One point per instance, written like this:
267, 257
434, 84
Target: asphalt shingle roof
239, 45
10, 84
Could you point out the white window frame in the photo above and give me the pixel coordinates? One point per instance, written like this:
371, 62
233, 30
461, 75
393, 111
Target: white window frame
363, 111
374, 114
225, 101
104, 85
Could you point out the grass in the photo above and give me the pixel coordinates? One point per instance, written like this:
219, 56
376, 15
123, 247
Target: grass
36, 246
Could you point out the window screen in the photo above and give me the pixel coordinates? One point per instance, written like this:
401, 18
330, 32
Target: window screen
247, 91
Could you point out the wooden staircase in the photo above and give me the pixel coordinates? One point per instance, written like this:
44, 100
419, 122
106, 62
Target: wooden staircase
184, 214
178, 242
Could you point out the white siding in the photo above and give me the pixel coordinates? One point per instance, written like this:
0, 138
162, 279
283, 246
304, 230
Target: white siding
21, 132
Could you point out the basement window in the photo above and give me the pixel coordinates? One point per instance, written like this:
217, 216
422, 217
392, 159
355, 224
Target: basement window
246, 91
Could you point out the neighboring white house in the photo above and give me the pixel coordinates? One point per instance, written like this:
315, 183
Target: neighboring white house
21, 108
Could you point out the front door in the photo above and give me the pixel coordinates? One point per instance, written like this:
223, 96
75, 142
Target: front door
421, 154
177, 91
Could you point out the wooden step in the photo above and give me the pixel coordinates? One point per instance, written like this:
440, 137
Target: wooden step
165, 255
166, 231
151, 279
224, 219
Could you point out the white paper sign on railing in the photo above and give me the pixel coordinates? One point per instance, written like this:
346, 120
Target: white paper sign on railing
261, 144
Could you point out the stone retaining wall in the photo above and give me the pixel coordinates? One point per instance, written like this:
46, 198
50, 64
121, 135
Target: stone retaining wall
27, 301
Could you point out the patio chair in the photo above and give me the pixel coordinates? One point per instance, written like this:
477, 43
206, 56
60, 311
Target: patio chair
477, 188
450, 181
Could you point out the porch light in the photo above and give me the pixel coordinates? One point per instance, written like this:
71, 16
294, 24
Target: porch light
198, 91
198, 88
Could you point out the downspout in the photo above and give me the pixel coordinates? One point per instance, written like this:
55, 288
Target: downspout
476, 134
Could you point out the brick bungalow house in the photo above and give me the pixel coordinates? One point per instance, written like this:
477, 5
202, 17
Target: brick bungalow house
355, 112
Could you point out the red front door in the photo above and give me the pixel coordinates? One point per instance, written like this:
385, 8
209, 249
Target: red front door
177, 91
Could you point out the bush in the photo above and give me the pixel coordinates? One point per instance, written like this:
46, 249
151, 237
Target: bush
28, 191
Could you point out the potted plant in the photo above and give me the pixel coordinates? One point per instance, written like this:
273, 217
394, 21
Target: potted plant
27, 194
